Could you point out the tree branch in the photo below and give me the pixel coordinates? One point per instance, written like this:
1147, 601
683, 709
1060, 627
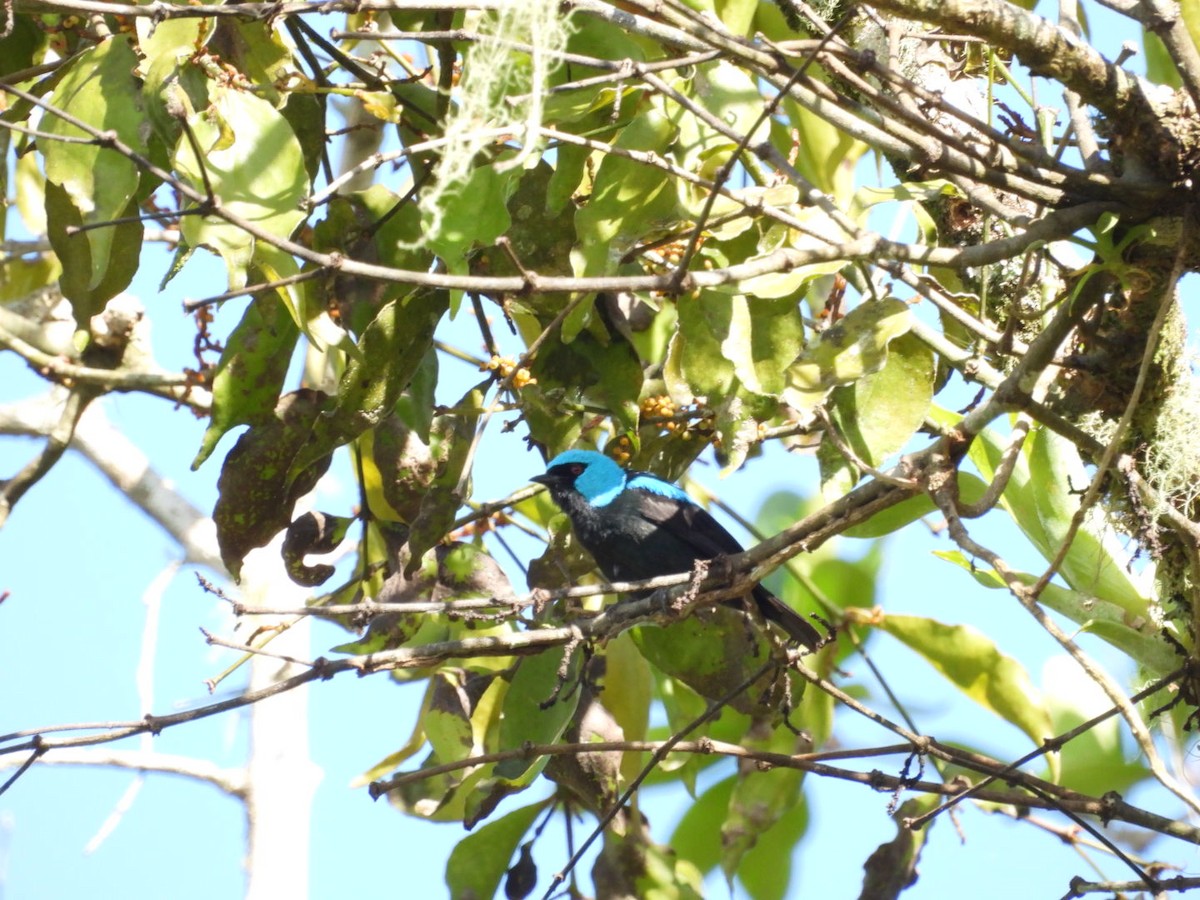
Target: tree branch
124, 464
1041, 45
229, 781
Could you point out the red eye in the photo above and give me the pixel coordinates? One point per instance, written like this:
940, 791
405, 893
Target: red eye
576, 469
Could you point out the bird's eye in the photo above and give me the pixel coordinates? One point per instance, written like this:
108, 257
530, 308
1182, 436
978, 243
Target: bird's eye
576, 469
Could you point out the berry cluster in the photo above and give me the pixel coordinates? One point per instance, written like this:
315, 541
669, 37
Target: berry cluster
506, 366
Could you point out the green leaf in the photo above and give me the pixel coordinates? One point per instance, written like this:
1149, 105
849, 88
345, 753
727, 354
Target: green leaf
683, 706
629, 199
973, 663
1190, 10
99, 88
1096, 562
1107, 620
257, 50
479, 861
609, 374
628, 688
467, 570
304, 300
473, 214
570, 169
696, 362
914, 192
713, 651
697, 837
879, 413
821, 229
537, 236
854, 347
1042, 497
826, 155
23, 44
766, 870
845, 583
446, 797
442, 797
596, 37
550, 424
838, 474
540, 680
390, 351
251, 370
74, 252
737, 15
1160, 68
167, 43
759, 800
30, 186
375, 224
451, 439
447, 718
22, 276
731, 95
173, 84
776, 339
1096, 761
416, 405
255, 165
450, 570
970, 488
737, 429
664, 875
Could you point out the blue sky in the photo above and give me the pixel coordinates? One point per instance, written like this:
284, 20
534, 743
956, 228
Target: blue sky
77, 558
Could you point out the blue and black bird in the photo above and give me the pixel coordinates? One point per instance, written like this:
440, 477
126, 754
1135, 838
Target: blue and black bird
637, 526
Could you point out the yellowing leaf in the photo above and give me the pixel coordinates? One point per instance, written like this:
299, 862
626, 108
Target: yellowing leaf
974, 664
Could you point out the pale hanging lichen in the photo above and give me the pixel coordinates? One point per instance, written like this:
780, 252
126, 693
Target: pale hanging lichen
1172, 459
504, 86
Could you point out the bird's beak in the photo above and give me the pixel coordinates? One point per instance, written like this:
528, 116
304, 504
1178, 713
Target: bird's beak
547, 479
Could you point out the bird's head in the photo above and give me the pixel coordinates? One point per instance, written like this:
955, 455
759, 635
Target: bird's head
591, 475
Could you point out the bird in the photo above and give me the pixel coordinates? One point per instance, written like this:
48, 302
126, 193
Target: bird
637, 526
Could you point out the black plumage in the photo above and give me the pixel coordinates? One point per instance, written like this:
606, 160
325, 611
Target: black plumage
637, 526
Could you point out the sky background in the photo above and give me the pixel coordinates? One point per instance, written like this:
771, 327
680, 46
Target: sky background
76, 559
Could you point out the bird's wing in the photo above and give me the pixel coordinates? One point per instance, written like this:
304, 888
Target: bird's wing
692, 527
687, 522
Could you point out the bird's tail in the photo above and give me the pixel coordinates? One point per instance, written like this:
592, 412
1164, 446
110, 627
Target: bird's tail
775, 610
